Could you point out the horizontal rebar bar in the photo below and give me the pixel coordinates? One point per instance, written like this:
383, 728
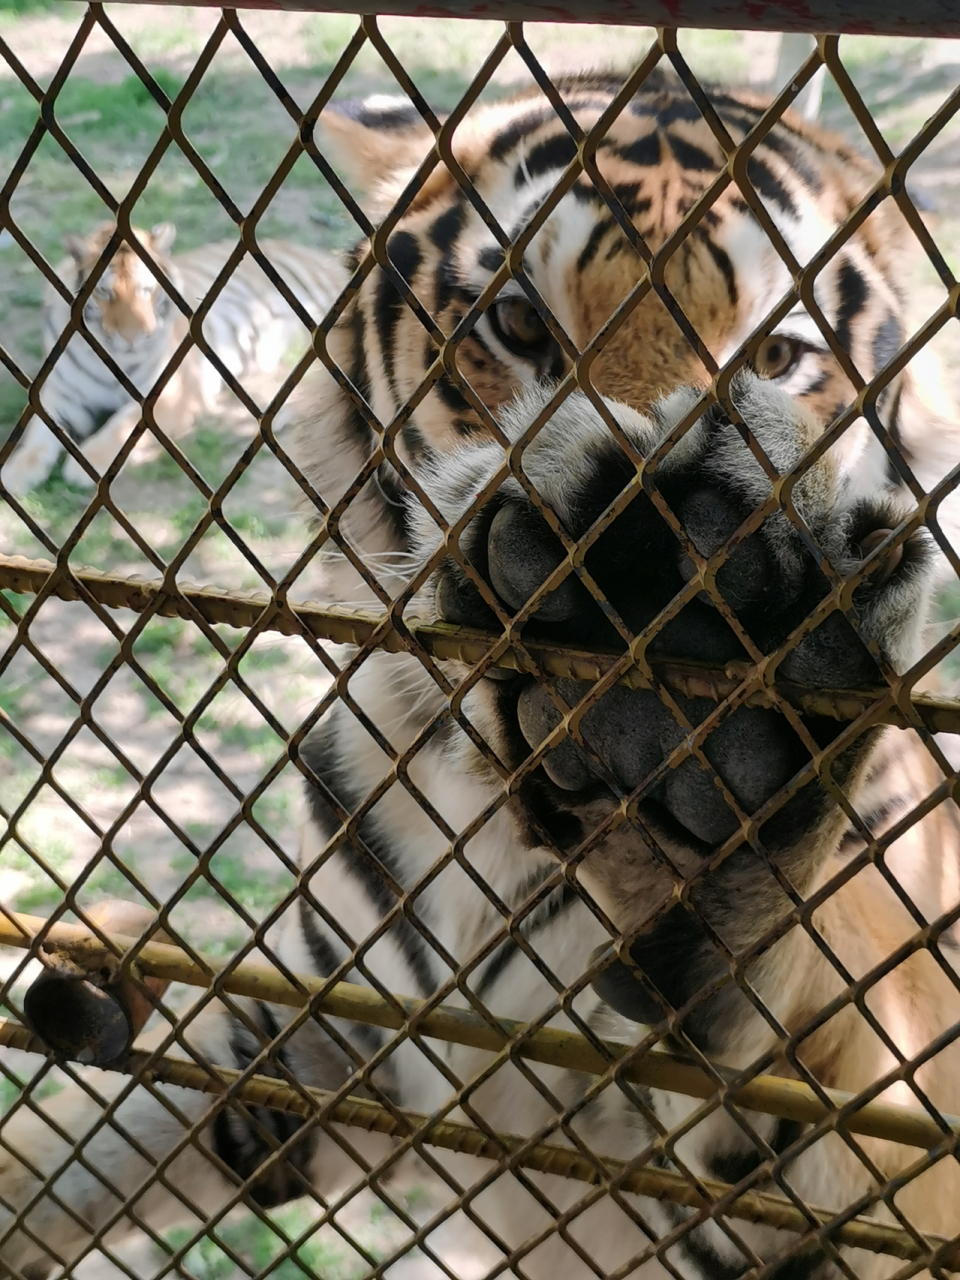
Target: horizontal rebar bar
857, 17
462, 644
771, 1095
542, 1157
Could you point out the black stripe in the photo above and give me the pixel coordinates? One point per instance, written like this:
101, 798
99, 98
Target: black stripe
695, 1248
325, 962
722, 260
553, 153
768, 185
733, 111
792, 152
734, 1165
680, 109
526, 214
396, 500
243, 1141
452, 396
644, 152
709, 1264
589, 250
504, 142
851, 294
628, 193
359, 372
491, 258
896, 435
810, 1265
588, 82
559, 901
448, 287
448, 226
690, 156
321, 949
886, 341
414, 443
370, 861
872, 821
465, 428
398, 115
818, 384
404, 252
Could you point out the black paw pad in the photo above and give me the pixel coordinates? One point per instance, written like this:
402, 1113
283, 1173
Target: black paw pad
833, 655
753, 751
709, 519
523, 551
623, 730
459, 601
623, 987
629, 732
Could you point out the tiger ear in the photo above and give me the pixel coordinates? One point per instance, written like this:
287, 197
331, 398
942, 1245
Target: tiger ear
162, 237
78, 247
373, 139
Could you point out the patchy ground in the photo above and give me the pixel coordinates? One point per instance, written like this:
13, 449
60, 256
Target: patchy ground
127, 807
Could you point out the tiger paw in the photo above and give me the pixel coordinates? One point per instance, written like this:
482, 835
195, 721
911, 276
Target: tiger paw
676, 580
31, 461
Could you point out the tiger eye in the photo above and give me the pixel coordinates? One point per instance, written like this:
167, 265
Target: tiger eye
777, 355
519, 326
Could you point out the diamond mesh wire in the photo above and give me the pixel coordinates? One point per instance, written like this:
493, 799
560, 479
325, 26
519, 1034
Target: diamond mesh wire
363, 1103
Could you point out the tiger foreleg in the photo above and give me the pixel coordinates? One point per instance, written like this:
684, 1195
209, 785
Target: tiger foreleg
102, 447
728, 820
174, 411
32, 460
701, 829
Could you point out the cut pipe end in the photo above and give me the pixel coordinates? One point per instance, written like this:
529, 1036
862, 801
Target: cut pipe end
77, 1018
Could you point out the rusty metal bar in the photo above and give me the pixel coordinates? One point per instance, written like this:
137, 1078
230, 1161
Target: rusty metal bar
542, 1157
462, 644
853, 17
771, 1095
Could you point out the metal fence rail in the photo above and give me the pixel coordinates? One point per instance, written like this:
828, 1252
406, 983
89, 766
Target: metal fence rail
892, 1111
931, 18
890, 705
770, 1095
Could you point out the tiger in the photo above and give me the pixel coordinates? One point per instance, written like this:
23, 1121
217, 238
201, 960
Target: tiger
250, 327
577, 367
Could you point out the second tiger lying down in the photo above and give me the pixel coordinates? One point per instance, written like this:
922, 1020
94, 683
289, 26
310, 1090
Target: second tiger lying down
701, 842
250, 327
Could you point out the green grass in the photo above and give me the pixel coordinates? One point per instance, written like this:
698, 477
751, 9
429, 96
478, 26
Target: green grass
12, 1086
127, 109
310, 1253
17, 8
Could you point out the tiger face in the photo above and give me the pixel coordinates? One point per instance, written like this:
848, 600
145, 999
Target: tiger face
641, 268
128, 302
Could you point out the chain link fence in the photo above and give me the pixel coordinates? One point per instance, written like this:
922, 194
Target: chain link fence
155, 734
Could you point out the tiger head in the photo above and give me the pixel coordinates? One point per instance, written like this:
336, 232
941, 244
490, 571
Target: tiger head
646, 256
128, 303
